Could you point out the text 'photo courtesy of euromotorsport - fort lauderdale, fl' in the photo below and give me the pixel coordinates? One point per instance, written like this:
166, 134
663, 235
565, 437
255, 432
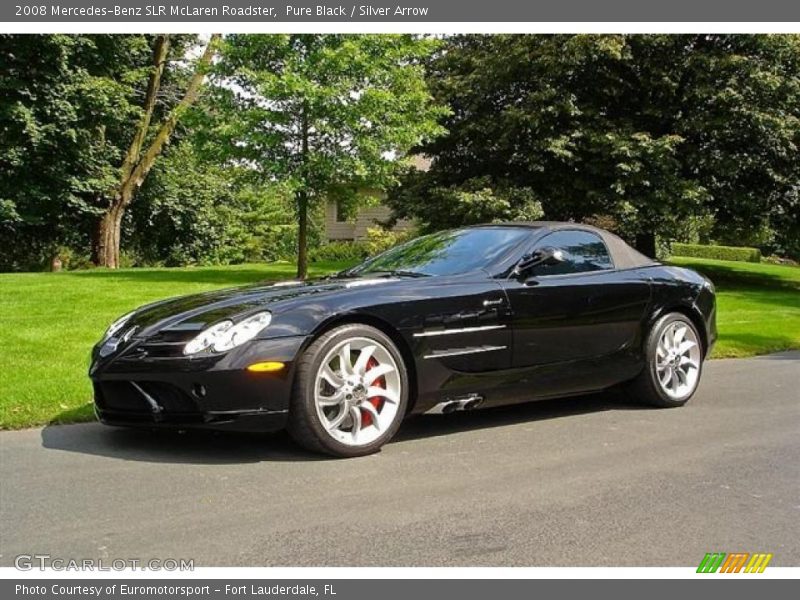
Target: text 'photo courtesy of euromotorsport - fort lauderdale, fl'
423, 298
184, 590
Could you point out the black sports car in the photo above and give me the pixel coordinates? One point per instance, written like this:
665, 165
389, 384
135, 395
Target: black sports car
456, 320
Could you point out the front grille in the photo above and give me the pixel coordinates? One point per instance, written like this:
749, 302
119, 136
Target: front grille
169, 397
122, 396
166, 344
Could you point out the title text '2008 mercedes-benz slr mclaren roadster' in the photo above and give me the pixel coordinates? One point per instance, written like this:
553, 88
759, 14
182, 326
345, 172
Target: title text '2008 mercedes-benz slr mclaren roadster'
474, 317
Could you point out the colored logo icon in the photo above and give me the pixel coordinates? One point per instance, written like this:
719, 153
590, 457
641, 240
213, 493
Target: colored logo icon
736, 562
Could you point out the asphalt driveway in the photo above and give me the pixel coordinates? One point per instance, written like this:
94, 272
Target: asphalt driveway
587, 481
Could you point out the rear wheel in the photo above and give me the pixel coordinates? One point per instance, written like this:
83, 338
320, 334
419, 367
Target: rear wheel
674, 356
350, 392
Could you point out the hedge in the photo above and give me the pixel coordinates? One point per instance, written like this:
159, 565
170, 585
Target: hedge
738, 253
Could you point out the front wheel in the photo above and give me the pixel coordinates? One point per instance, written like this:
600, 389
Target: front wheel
674, 362
350, 392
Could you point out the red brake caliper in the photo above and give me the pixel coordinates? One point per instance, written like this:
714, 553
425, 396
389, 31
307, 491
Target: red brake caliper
376, 401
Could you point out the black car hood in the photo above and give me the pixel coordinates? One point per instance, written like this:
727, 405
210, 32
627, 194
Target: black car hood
196, 312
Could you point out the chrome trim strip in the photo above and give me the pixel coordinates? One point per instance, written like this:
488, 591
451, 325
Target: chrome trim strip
446, 353
459, 330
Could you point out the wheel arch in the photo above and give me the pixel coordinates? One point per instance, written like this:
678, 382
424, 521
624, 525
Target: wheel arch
691, 313
383, 326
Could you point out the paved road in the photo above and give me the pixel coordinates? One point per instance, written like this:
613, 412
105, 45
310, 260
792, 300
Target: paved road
590, 481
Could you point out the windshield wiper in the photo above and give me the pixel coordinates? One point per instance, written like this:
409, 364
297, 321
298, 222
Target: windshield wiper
404, 273
390, 273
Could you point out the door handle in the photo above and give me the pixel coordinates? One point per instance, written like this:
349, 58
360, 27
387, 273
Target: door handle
495, 302
468, 315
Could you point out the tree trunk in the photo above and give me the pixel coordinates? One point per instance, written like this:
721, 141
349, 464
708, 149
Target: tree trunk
646, 244
302, 201
106, 236
302, 235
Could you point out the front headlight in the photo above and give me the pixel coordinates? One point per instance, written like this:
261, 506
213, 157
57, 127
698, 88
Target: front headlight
116, 326
225, 335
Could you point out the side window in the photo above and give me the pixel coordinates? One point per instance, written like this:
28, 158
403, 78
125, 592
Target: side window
583, 251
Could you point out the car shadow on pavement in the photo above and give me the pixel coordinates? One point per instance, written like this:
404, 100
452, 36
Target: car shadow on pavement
785, 355
169, 446
211, 447
529, 412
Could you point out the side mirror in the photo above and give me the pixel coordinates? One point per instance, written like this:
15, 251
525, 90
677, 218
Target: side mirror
552, 256
543, 256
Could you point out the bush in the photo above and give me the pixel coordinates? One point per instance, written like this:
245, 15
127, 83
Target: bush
737, 253
780, 260
378, 240
339, 252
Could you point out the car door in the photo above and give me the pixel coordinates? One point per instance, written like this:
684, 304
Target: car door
462, 342
576, 324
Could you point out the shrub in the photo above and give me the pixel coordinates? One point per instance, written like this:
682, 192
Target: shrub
780, 260
378, 239
339, 252
737, 253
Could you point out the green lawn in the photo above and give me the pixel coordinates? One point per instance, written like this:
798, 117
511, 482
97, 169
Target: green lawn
758, 305
49, 322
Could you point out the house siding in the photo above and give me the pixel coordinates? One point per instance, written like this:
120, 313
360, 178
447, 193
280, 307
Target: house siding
356, 228
370, 216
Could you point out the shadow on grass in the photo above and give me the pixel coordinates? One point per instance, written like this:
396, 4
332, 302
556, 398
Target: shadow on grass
733, 277
81, 414
782, 297
211, 447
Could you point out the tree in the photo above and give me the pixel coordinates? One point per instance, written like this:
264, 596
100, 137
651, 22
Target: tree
323, 114
76, 116
640, 131
138, 160
55, 122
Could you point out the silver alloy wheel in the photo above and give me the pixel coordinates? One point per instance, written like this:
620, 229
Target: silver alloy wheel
357, 391
678, 360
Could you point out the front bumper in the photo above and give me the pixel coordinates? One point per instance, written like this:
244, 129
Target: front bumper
217, 392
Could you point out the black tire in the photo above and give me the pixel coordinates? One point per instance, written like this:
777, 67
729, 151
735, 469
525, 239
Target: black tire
304, 424
646, 388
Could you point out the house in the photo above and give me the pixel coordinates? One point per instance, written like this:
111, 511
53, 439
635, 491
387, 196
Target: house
343, 227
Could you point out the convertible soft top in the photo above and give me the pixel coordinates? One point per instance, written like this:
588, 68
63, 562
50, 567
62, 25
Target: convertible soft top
622, 254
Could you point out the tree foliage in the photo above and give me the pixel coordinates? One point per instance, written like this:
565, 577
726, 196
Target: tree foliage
63, 107
82, 120
642, 131
323, 114
692, 137
192, 210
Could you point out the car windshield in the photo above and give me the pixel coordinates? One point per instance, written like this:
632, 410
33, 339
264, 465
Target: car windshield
445, 252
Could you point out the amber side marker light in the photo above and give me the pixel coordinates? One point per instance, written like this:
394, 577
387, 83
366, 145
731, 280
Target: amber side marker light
270, 366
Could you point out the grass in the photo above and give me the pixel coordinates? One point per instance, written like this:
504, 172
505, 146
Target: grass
49, 322
758, 305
